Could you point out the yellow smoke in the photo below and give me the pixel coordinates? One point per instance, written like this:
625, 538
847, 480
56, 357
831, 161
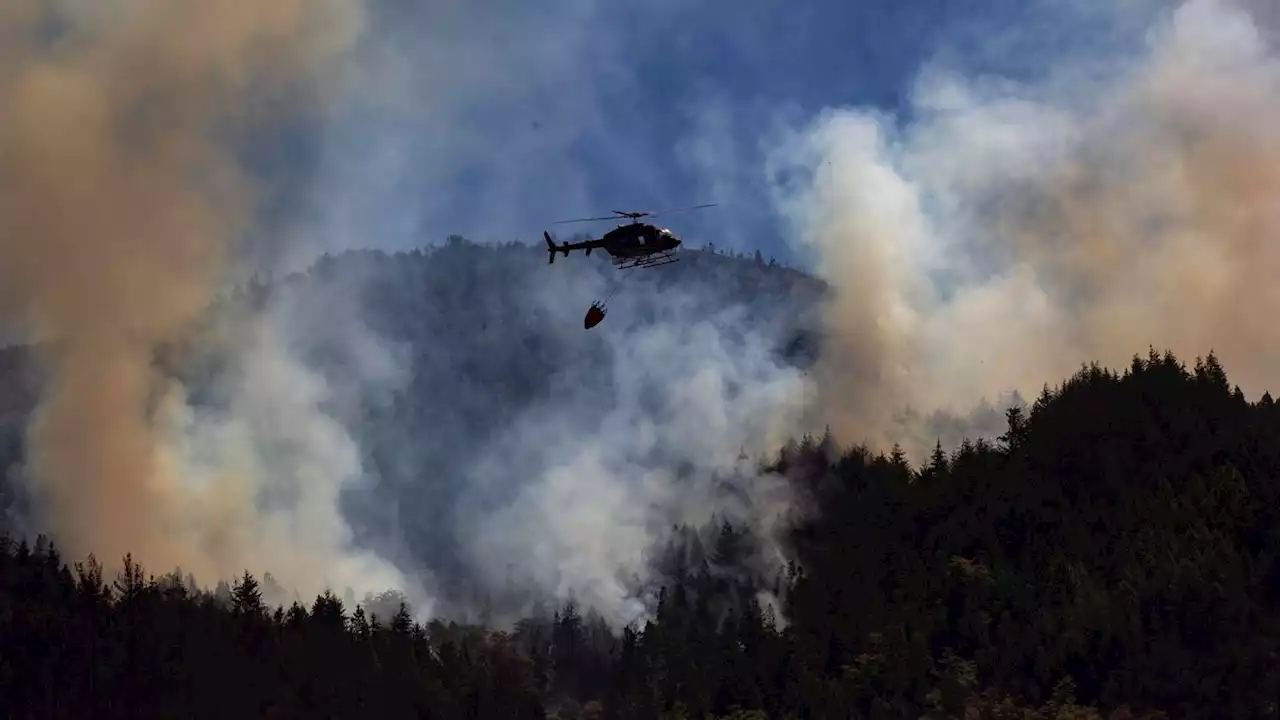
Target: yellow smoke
1015, 232
120, 206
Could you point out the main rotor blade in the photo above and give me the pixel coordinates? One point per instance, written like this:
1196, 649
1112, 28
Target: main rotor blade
633, 215
594, 219
683, 209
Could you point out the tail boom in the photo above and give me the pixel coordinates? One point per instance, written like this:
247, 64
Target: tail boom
563, 248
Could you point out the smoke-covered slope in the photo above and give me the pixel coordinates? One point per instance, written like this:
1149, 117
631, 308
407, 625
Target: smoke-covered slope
487, 452
466, 379
492, 349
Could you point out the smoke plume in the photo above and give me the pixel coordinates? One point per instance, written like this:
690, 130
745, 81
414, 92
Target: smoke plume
1008, 232
1013, 231
530, 459
123, 200
659, 425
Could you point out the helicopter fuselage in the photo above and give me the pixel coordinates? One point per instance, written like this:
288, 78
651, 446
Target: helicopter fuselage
638, 240
634, 244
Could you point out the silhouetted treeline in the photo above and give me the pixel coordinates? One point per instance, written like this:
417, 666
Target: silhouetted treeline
1114, 555
1119, 540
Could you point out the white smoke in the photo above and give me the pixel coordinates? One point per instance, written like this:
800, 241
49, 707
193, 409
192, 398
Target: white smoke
1016, 230
612, 467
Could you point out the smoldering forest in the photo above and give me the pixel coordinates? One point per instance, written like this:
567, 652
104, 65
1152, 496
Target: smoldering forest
507, 459
436, 421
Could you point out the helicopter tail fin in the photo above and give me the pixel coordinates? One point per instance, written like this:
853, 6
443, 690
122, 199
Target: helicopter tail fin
551, 247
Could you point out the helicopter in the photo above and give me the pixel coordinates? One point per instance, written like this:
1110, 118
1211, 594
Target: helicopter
629, 245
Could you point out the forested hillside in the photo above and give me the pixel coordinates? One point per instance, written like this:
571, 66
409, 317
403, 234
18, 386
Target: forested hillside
1114, 554
439, 360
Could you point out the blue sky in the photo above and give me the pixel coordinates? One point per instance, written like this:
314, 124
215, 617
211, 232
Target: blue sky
493, 119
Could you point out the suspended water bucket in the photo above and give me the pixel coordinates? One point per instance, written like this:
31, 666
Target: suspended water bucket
595, 314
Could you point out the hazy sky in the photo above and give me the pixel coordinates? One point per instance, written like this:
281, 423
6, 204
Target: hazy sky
491, 119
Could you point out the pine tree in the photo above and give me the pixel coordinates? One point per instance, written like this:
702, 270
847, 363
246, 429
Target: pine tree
246, 596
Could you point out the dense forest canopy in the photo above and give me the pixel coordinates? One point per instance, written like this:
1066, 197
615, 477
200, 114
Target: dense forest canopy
1114, 553
1107, 545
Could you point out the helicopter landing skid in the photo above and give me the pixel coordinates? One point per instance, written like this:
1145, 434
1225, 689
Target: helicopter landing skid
646, 262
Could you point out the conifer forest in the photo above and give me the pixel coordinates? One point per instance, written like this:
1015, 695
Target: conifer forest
1112, 552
